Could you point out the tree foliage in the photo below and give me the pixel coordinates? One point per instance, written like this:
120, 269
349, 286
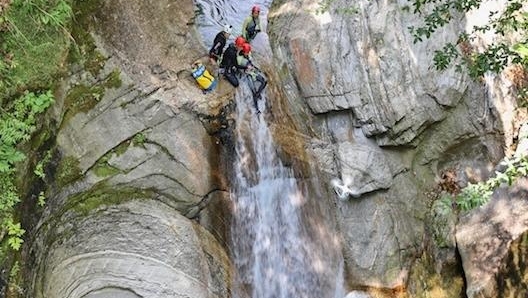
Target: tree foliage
509, 49
512, 21
478, 194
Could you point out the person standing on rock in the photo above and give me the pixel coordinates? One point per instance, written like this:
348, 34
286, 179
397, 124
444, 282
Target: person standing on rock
229, 61
216, 51
252, 25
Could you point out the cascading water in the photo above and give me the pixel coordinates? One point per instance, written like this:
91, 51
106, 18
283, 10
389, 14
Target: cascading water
273, 249
282, 245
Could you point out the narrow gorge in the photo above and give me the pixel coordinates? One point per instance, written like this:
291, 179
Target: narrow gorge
155, 189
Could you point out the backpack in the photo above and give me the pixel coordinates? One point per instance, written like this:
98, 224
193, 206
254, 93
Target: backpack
203, 77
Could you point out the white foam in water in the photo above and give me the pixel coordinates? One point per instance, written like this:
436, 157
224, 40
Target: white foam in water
343, 190
272, 250
276, 253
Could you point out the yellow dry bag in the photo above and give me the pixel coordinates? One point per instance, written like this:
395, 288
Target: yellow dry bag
202, 76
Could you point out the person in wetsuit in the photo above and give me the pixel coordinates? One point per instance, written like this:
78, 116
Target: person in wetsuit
216, 51
229, 61
252, 25
254, 74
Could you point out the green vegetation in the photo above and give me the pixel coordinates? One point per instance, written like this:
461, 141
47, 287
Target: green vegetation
33, 49
113, 80
38, 40
17, 123
14, 288
139, 139
41, 199
475, 195
68, 171
39, 168
101, 195
82, 98
495, 58
34, 45
84, 50
105, 170
504, 53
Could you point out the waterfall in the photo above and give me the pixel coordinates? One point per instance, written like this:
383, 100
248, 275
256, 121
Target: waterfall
283, 244
274, 251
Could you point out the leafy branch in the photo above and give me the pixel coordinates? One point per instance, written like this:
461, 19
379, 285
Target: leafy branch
512, 20
475, 195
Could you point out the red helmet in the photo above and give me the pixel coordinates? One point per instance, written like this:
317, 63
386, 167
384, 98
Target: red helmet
255, 9
246, 48
240, 41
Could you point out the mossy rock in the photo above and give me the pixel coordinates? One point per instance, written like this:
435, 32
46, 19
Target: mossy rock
83, 50
425, 281
82, 98
113, 80
68, 171
102, 195
105, 170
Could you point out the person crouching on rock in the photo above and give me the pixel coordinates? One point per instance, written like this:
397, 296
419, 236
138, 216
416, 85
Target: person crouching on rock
229, 60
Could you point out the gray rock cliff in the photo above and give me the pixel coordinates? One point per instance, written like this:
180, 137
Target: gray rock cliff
387, 127
135, 165
139, 202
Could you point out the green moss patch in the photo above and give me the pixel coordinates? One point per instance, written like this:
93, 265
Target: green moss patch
83, 50
113, 80
94, 62
139, 139
68, 171
106, 196
105, 170
83, 98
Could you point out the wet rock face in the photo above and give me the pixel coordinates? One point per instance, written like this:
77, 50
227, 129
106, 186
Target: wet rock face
151, 38
135, 249
490, 241
511, 281
386, 124
135, 165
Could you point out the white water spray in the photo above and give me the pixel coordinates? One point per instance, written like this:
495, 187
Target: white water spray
283, 246
278, 252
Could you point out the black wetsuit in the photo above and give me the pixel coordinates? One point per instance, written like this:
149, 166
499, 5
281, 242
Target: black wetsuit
230, 65
218, 46
257, 82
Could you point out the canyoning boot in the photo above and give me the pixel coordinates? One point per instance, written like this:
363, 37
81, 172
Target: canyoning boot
256, 98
